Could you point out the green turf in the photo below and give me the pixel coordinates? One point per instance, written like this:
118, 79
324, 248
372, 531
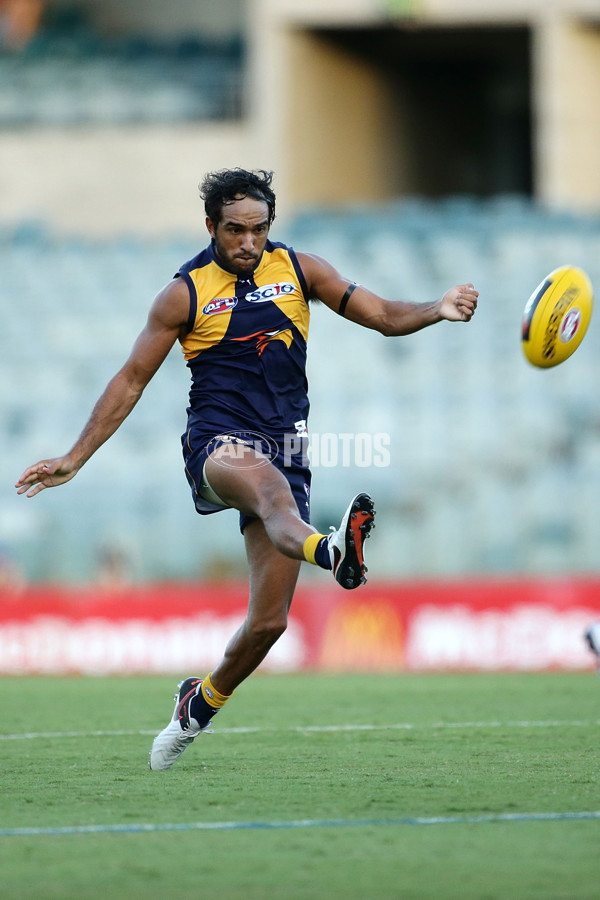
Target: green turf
477, 745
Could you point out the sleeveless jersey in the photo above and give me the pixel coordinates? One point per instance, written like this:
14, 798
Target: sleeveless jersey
246, 345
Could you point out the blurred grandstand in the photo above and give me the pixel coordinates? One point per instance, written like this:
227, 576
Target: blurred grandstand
68, 74
494, 466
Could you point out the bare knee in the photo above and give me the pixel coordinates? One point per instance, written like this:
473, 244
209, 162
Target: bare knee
274, 503
265, 632
279, 514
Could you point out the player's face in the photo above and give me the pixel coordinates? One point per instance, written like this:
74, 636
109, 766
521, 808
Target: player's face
241, 235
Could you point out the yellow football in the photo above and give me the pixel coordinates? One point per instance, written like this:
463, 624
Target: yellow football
556, 317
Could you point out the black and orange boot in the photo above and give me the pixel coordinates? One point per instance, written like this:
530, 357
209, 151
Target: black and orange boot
346, 543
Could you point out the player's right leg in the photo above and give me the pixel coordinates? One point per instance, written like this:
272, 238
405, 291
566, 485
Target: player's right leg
272, 581
277, 540
273, 578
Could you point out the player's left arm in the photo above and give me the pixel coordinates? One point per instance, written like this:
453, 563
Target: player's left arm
389, 317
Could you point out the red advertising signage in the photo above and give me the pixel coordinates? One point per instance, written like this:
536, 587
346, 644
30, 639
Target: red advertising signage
403, 626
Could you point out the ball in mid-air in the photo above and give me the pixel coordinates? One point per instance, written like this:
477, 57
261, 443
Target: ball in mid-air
556, 317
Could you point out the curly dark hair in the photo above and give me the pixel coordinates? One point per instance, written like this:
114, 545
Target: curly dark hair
223, 187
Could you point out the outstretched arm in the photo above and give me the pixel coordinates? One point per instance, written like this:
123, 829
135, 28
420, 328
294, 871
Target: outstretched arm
389, 317
167, 317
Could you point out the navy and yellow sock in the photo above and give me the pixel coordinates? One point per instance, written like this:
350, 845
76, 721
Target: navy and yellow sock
316, 551
207, 702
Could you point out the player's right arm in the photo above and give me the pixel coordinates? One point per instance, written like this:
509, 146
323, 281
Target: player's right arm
166, 322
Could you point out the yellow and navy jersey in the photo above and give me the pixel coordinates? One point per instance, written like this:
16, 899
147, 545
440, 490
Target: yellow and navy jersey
246, 344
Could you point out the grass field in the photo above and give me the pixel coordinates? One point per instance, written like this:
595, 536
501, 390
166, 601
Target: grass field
452, 786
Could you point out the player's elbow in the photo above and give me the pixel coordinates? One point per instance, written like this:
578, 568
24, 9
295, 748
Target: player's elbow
385, 320
135, 377
385, 325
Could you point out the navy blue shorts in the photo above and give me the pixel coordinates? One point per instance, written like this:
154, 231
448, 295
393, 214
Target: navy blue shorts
291, 464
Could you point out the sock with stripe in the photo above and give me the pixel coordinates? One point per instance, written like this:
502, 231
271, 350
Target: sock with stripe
207, 702
316, 551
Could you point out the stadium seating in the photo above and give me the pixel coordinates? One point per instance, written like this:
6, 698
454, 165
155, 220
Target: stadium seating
74, 78
493, 464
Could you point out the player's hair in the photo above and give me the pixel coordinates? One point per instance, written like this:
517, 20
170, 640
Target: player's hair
221, 188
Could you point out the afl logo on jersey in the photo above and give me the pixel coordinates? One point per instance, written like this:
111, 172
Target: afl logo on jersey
221, 304
270, 292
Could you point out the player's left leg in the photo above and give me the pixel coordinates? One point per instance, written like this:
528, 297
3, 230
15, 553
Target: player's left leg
273, 578
256, 487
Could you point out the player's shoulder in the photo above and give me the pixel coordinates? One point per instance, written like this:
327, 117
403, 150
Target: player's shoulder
315, 268
174, 289
311, 260
172, 303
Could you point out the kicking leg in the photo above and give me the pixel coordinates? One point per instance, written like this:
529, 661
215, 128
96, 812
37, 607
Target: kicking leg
257, 487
